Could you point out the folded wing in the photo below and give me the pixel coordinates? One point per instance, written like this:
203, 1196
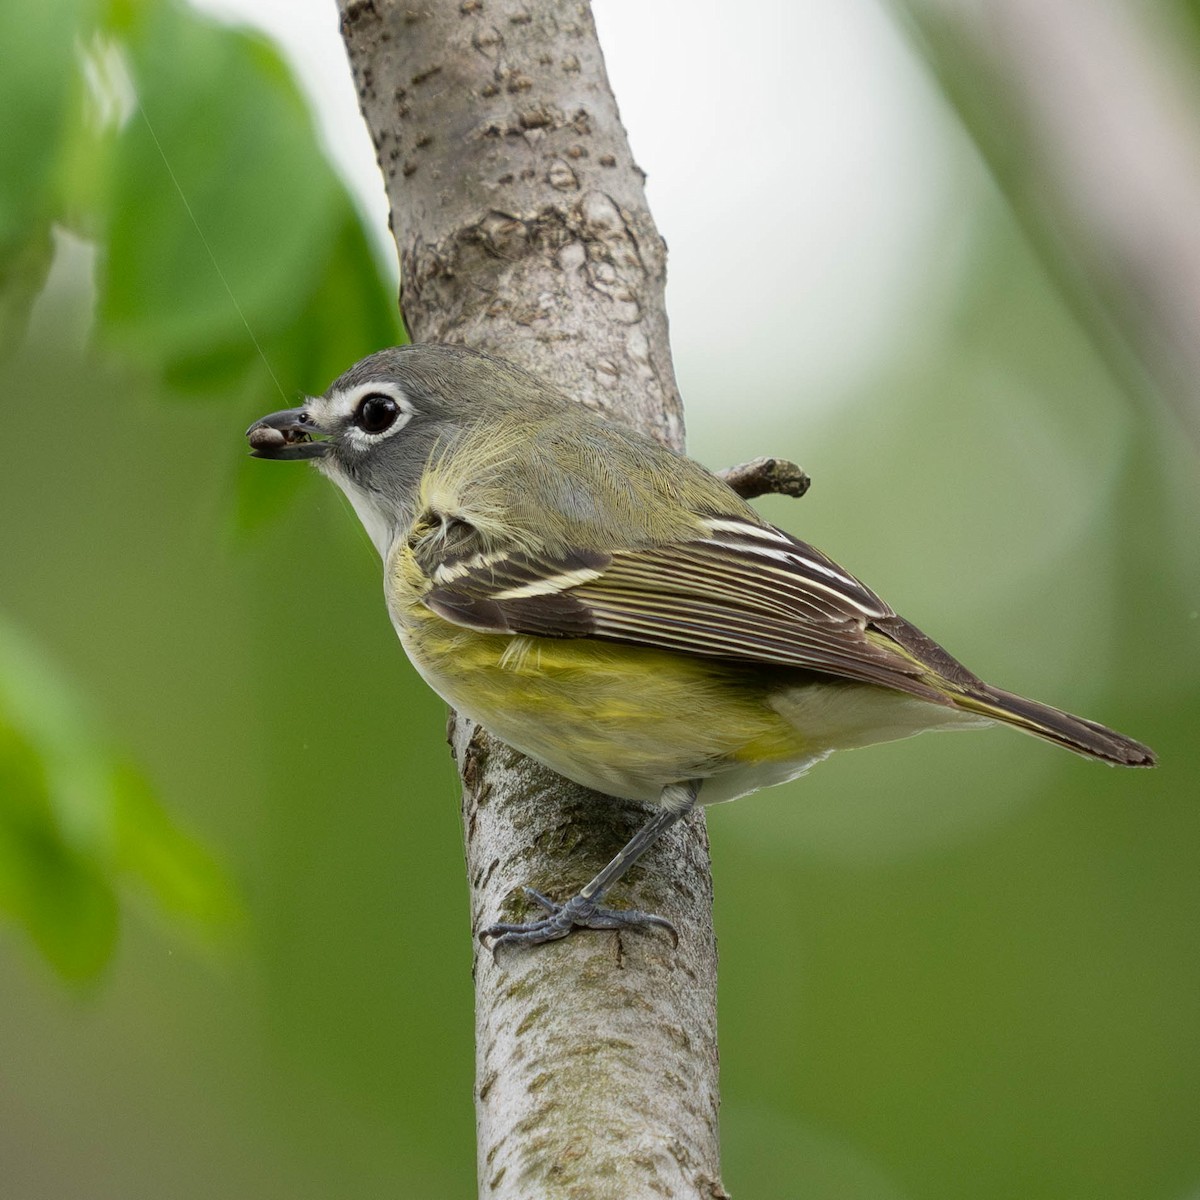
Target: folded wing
745, 592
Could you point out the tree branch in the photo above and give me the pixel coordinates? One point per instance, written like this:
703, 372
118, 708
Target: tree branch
766, 477
522, 229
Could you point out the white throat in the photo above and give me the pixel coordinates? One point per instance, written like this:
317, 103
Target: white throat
375, 519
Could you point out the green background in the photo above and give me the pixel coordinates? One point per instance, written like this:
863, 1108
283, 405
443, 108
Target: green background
236, 957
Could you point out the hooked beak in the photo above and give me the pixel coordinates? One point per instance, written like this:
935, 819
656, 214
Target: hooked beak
286, 435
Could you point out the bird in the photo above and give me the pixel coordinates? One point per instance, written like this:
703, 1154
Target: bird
613, 609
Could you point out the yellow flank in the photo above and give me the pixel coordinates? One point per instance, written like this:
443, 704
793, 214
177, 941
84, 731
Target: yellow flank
569, 704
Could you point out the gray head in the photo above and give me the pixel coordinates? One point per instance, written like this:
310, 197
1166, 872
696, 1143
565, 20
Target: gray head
375, 428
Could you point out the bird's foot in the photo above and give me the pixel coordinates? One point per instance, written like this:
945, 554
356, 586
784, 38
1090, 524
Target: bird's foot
577, 913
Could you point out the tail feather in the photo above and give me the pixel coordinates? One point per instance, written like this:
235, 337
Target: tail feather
1082, 736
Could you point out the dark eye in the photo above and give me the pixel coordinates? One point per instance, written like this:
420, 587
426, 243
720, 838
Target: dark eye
376, 413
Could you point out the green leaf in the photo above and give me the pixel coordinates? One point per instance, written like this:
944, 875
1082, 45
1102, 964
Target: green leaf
349, 315
222, 205
38, 94
76, 819
59, 895
175, 869
25, 271
352, 311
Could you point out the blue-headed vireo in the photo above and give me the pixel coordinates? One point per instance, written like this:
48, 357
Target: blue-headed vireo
612, 608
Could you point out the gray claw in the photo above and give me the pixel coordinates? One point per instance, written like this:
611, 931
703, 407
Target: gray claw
577, 913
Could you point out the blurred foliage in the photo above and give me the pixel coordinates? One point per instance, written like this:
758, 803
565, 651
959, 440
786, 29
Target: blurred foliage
984, 102
75, 818
167, 142
950, 966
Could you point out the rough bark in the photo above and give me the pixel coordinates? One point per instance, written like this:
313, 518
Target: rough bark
522, 229
766, 476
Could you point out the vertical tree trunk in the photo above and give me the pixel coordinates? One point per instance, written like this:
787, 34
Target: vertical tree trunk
522, 228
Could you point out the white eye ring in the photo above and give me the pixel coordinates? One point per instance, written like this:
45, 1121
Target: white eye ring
385, 398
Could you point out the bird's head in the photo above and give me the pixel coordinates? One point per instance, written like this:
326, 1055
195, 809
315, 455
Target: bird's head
376, 427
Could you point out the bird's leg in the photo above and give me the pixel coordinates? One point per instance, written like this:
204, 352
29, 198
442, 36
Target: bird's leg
583, 910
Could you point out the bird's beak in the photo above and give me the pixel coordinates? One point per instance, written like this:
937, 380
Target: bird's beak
286, 435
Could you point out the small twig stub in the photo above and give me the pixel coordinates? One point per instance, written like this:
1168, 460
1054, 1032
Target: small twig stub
766, 477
